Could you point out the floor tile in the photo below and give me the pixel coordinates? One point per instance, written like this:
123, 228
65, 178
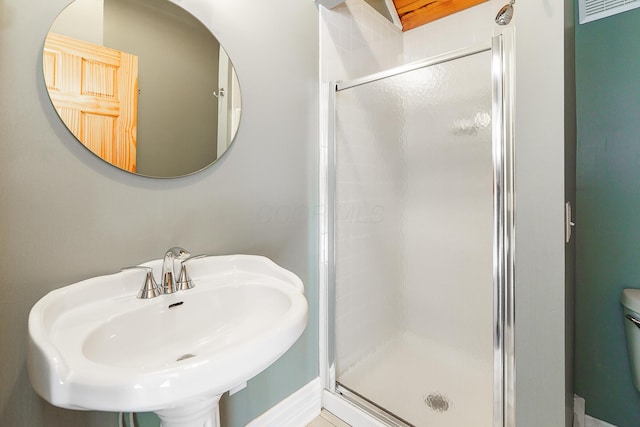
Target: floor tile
327, 419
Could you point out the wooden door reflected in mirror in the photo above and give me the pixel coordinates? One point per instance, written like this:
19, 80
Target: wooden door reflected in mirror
95, 92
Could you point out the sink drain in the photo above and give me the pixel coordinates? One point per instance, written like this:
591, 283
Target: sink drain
185, 356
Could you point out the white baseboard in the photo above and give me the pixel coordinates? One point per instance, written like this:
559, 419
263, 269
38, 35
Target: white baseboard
297, 410
580, 419
594, 422
578, 411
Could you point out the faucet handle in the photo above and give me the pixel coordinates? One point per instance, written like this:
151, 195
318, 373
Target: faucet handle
179, 253
184, 279
150, 288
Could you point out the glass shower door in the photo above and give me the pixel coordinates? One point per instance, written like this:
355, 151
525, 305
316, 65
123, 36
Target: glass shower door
414, 244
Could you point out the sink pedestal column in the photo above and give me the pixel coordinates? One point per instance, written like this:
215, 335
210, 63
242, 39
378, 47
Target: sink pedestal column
200, 412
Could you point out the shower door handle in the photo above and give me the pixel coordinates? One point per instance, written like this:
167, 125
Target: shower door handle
569, 224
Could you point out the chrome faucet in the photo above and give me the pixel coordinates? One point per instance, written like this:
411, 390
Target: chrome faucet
168, 274
169, 284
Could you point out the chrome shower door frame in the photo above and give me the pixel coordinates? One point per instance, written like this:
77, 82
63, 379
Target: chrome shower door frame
351, 407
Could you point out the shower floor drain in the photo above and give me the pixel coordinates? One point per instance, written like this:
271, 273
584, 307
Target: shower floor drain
438, 402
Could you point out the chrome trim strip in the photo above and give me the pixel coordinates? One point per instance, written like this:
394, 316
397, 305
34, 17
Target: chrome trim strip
381, 414
450, 56
347, 411
509, 349
497, 76
331, 248
324, 336
504, 238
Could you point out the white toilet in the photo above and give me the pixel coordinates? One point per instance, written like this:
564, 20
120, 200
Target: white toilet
631, 302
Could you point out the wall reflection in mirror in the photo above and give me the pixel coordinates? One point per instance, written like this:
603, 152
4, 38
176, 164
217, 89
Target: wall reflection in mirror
143, 84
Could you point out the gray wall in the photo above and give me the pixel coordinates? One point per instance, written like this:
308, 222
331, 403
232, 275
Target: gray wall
543, 138
178, 73
82, 20
65, 215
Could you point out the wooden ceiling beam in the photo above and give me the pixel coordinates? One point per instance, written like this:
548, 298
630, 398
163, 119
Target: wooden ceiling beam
414, 13
410, 6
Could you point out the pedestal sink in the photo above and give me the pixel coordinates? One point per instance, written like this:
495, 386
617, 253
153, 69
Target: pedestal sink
94, 346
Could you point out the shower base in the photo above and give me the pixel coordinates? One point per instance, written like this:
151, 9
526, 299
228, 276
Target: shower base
425, 383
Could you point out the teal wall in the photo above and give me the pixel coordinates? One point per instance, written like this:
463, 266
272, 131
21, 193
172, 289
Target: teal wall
608, 211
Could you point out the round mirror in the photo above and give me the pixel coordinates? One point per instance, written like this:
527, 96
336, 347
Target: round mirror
143, 84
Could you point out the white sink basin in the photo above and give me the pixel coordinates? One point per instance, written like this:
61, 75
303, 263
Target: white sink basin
94, 346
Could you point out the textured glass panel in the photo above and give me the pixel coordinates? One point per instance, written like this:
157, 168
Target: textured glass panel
413, 243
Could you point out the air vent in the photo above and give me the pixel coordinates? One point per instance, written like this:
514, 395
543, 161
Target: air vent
591, 10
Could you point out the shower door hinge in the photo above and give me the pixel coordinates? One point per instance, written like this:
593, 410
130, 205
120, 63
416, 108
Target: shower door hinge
569, 224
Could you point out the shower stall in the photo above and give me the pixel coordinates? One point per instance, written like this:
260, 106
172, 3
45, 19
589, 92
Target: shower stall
419, 226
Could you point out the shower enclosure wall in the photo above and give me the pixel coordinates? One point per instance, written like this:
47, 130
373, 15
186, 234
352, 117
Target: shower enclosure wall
419, 223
